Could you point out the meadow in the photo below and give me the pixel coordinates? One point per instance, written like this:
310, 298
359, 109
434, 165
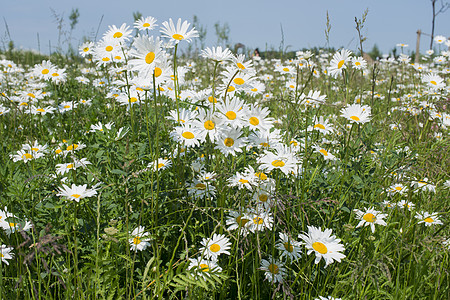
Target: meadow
139, 172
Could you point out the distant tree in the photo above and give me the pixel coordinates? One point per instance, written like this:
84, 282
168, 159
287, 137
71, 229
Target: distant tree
442, 9
375, 53
136, 16
223, 34
201, 32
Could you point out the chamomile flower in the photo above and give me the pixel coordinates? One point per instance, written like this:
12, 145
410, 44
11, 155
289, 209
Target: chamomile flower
140, 239
86, 49
238, 220
202, 188
260, 220
178, 33
22, 155
121, 34
257, 118
215, 246
359, 63
147, 23
370, 217
146, 54
217, 54
242, 66
274, 270
338, 63
433, 81
160, 164
397, 188
282, 158
428, 219
323, 244
203, 267
326, 154
76, 192
320, 124
230, 141
406, 205
289, 247
327, 298
187, 135
233, 112
241, 181
356, 113
5, 254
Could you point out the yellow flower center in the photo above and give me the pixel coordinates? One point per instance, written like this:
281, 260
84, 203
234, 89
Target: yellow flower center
178, 37
212, 100
357, 63
231, 89
319, 247
254, 89
150, 57
286, 69
369, 217
188, 135
133, 99
69, 166
204, 267
258, 220
72, 147
200, 186
214, 248
86, 49
146, 25
157, 72
263, 197
239, 81
109, 48
273, 268
40, 110
209, 125
229, 142
137, 240
105, 58
76, 196
243, 181
117, 35
398, 188
45, 71
27, 156
288, 247
319, 126
433, 82
160, 165
240, 66
31, 95
324, 152
340, 64
429, 220
231, 115
254, 121
355, 118
58, 151
278, 163
35, 149
261, 175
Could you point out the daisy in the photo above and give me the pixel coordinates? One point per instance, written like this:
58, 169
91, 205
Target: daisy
260, 220
370, 217
241, 181
289, 247
327, 298
230, 141
356, 113
187, 135
326, 155
440, 39
323, 244
215, 246
119, 34
423, 185
44, 70
86, 49
397, 188
274, 270
338, 62
5, 254
241, 66
140, 239
217, 54
405, 204
203, 267
147, 23
160, 164
183, 116
359, 63
282, 159
428, 219
257, 118
434, 81
178, 33
23, 155
146, 54
236, 220
209, 123
76, 192
233, 112
201, 188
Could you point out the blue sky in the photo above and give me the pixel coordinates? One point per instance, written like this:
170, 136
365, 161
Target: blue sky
253, 23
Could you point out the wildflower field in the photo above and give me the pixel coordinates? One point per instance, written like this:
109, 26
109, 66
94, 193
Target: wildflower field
140, 172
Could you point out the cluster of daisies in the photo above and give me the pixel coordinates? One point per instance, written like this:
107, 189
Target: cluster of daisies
220, 120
